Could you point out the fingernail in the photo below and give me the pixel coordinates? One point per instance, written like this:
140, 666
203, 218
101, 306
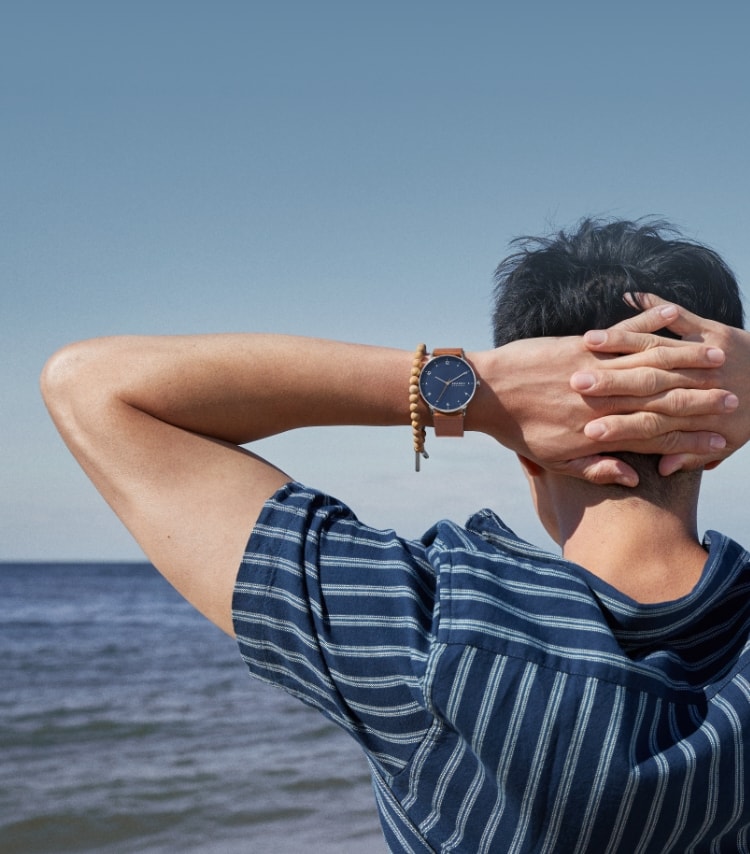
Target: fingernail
668, 311
717, 443
582, 381
627, 480
715, 355
595, 336
594, 430
731, 402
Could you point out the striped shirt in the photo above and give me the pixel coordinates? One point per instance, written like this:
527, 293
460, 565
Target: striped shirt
506, 699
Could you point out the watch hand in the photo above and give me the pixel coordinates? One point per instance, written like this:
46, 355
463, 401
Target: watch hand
446, 383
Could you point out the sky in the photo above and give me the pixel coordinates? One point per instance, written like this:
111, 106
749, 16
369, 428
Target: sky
350, 170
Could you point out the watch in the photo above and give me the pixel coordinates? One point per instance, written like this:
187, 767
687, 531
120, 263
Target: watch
447, 383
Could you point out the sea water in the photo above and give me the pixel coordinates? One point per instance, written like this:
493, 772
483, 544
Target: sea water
128, 723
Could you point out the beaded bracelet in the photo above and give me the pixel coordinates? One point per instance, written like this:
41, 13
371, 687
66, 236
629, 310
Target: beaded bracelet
417, 429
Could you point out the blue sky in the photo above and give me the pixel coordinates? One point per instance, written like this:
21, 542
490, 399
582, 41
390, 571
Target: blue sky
352, 170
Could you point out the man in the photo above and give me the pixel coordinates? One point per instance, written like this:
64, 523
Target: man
507, 699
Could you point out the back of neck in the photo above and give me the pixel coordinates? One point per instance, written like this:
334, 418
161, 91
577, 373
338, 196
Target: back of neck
649, 553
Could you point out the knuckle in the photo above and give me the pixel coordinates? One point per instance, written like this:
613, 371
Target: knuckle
665, 358
596, 471
643, 381
678, 401
651, 381
645, 341
652, 423
688, 443
604, 391
686, 402
638, 426
672, 443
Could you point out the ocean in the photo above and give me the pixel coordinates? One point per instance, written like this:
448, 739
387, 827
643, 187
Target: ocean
129, 723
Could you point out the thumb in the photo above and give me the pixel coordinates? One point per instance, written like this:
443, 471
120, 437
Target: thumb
599, 470
671, 463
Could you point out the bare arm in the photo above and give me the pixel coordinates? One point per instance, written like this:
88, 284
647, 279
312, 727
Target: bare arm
157, 424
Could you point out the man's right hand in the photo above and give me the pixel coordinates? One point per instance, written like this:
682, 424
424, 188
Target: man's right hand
653, 395
685, 388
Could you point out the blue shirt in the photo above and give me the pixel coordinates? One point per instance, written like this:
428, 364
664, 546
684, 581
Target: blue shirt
508, 700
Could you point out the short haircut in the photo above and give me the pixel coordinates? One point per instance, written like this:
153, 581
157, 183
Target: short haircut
570, 282
575, 281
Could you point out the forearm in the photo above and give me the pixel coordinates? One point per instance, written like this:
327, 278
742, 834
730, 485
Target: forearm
238, 388
156, 423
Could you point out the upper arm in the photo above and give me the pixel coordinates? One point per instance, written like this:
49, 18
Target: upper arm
340, 615
190, 501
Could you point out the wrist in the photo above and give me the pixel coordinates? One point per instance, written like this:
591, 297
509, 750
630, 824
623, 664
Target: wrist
487, 413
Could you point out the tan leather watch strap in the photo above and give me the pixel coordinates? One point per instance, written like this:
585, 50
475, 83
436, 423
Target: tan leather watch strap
448, 423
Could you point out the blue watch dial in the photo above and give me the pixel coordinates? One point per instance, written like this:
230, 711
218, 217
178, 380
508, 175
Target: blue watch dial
447, 383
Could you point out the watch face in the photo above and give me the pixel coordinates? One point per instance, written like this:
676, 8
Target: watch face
447, 383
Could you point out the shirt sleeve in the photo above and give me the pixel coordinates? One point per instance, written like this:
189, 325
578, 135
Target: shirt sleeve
340, 615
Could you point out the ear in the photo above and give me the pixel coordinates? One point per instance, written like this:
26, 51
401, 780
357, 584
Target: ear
539, 486
531, 468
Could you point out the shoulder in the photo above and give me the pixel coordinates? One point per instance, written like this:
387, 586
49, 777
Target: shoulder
506, 596
486, 554
299, 517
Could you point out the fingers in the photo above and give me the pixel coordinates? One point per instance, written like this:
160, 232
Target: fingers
600, 470
689, 403
654, 433
650, 320
653, 391
636, 333
639, 349
684, 324
642, 349
671, 463
670, 381
653, 364
655, 315
644, 381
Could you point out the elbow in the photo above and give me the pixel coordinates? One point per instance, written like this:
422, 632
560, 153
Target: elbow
68, 381
58, 378
55, 379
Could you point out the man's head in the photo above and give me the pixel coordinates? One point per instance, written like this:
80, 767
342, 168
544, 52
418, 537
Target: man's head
575, 281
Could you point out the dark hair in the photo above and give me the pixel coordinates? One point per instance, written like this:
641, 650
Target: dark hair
571, 282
